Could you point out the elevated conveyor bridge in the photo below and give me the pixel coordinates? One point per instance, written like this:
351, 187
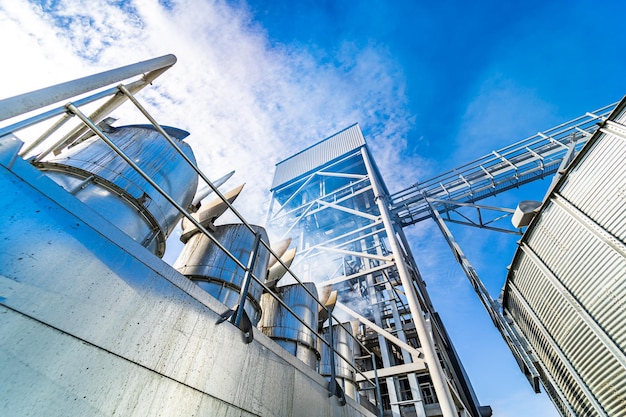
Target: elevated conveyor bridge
525, 161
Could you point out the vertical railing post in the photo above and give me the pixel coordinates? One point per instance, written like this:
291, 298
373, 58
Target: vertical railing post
379, 399
245, 285
332, 385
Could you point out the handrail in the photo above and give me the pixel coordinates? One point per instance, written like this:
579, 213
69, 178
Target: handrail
516, 164
21, 104
34, 100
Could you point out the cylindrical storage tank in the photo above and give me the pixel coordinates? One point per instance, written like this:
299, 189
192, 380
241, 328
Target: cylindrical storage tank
279, 324
565, 290
100, 178
207, 265
344, 345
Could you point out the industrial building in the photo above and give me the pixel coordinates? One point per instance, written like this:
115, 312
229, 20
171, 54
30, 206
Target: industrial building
94, 323
322, 311
332, 202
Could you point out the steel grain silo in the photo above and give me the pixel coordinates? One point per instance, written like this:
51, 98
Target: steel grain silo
566, 288
100, 178
279, 324
214, 271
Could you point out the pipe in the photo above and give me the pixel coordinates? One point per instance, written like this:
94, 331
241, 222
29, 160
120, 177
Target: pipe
23, 103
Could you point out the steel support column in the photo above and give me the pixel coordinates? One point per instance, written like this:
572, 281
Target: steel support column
441, 387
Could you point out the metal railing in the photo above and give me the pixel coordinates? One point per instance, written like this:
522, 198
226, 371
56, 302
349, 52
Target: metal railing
525, 161
151, 69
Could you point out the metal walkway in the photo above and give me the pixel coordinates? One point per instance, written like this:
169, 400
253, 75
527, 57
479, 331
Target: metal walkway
520, 163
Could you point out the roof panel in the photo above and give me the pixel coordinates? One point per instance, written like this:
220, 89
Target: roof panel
317, 155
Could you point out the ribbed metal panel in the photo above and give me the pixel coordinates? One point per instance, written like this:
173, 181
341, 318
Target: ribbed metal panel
318, 155
600, 185
580, 257
564, 381
586, 353
566, 290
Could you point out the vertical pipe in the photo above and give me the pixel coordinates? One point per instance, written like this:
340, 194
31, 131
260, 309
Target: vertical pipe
331, 353
446, 402
245, 285
379, 398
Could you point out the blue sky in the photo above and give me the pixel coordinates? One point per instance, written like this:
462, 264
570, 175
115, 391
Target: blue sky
475, 76
432, 84
454, 57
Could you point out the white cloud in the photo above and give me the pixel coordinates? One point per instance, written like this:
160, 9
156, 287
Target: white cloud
247, 104
34, 55
502, 113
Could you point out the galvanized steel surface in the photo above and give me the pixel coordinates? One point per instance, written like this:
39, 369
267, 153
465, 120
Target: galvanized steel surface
92, 325
287, 330
317, 155
204, 263
344, 346
567, 284
96, 175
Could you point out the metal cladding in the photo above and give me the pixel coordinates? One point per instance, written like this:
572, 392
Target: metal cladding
286, 330
344, 346
566, 287
100, 178
214, 271
319, 154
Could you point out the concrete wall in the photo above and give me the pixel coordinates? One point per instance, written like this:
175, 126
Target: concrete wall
89, 327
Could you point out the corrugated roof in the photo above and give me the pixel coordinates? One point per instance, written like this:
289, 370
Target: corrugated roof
317, 155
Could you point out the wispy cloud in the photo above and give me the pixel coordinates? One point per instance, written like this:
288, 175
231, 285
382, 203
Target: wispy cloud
500, 114
247, 104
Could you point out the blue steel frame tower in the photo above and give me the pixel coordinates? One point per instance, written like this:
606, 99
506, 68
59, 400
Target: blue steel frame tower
331, 200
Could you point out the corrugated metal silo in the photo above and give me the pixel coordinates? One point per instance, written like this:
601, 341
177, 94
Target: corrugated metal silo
566, 287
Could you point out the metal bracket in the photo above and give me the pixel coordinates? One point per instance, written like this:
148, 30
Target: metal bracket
335, 389
245, 325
